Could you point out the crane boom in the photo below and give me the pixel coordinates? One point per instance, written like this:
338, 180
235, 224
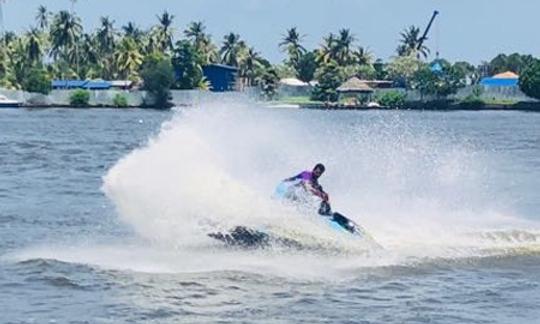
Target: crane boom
426, 32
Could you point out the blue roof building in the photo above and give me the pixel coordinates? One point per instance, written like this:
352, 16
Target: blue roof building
221, 77
507, 79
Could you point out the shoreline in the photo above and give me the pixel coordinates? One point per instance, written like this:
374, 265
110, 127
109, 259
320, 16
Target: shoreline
430, 106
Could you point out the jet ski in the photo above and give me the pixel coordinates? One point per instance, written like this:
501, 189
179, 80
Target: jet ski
244, 237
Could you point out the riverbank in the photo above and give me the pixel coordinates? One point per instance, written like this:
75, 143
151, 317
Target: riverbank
106, 98
436, 106
188, 98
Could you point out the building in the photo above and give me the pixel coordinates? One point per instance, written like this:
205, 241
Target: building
221, 77
81, 84
506, 79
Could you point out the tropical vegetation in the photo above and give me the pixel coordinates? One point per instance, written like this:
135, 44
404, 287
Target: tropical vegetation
529, 81
58, 47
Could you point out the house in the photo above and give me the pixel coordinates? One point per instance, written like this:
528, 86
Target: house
294, 87
221, 77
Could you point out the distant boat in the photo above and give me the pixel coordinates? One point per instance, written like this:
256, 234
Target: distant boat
8, 103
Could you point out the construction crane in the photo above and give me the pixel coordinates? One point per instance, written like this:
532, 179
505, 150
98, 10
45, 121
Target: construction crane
426, 32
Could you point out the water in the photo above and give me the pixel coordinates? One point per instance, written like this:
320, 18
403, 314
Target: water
104, 215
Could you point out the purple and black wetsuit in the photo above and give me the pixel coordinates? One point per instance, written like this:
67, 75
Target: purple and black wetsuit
308, 177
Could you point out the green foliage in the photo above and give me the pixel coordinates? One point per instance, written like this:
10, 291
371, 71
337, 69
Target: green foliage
268, 82
392, 99
158, 77
469, 71
477, 91
38, 80
514, 62
529, 80
120, 101
305, 67
291, 44
409, 43
380, 70
285, 71
403, 69
363, 72
79, 98
187, 62
330, 78
441, 83
472, 102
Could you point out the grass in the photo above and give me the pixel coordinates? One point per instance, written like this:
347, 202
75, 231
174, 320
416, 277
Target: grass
501, 102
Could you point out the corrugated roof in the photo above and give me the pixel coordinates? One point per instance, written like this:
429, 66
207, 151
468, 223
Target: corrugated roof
293, 82
499, 82
506, 75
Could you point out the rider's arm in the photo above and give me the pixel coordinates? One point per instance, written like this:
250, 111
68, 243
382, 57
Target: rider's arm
296, 177
317, 190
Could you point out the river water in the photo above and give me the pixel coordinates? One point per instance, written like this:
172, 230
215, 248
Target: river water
104, 215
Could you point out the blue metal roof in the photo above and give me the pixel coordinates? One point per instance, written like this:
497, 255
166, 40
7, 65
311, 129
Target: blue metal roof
97, 85
84, 84
498, 82
68, 83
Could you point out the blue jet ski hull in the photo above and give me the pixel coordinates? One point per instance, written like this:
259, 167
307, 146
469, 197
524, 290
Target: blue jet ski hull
245, 237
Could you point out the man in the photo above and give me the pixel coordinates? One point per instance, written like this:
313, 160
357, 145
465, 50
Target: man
309, 180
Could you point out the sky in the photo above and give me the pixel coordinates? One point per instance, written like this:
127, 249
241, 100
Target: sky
472, 30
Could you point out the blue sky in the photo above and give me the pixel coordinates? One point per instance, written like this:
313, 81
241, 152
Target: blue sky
473, 30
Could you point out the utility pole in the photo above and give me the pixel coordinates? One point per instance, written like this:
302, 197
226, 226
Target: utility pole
2, 27
73, 2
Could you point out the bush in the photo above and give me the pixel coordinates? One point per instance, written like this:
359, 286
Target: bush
79, 98
120, 101
529, 80
472, 102
392, 99
330, 78
158, 76
37, 81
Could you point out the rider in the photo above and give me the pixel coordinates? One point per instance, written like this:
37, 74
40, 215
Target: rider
310, 181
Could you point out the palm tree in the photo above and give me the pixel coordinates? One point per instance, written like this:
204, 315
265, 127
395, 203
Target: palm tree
128, 58
34, 46
202, 41
18, 63
363, 56
343, 44
42, 17
105, 36
327, 52
90, 48
165, 31
231, 48
291, 44
65, 32
8, 37
196, 32
250, 62
131, 30
410, 43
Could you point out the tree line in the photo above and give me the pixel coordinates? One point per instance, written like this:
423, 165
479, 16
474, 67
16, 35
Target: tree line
58, 47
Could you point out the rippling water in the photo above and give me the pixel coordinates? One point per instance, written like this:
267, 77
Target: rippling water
96, 220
